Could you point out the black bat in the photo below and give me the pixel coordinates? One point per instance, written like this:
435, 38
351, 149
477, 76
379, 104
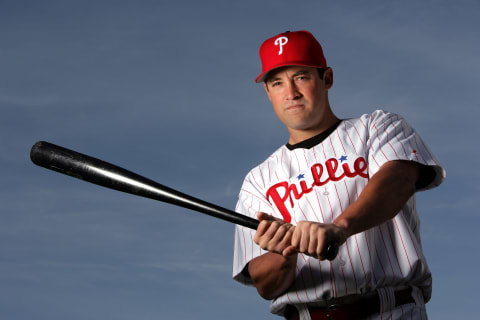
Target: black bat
105, 174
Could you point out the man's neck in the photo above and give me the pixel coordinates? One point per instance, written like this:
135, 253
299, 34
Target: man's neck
297, 136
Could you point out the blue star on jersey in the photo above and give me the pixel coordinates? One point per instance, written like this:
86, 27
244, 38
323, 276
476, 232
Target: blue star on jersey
301, 176
343, 158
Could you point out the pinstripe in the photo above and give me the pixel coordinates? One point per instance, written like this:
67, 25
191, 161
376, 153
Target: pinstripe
244, 244
424, 147
308, 201
390, 230
290, 167
359, 136
371, 259
314, 149
320, 207
349, 138
388, 140
409, 142
255, 180
403, 242
256, 197
346, 244
341, 142
356, 239
282, 166
323, 149
250, 209
386, 250
374, 159
360, 256
296, 290
331, 143
379, 259
303, 214
396, 138
380, 143
313, 278
261, 177
305, 156
298, 162
305, 291
251, 241
339, 201
363, 123
351, 265
269, 173
313, 210
412, 238
331, 268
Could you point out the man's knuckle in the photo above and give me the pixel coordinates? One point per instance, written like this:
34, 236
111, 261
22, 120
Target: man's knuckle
276, 223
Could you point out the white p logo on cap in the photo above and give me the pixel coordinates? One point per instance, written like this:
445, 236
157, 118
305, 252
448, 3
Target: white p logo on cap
281, 41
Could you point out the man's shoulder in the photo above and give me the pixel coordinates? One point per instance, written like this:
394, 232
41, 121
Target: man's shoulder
376, 114
368, 120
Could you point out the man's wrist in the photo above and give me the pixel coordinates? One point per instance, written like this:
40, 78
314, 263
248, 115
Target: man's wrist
344, 227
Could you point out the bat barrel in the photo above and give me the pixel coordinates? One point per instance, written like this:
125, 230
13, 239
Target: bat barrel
99, 172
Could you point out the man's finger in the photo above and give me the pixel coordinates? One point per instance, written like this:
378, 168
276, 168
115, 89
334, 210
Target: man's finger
264, 216
321, 249
297, 235
288, 251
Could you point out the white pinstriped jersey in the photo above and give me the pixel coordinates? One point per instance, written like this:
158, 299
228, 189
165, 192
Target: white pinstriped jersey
317, 184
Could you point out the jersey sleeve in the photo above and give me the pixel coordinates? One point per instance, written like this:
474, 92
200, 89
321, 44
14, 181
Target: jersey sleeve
392, 138
250, 201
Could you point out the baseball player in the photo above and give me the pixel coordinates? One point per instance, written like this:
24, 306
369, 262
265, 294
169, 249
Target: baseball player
346, 180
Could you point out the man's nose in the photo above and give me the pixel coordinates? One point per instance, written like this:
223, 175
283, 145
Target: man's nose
292, 91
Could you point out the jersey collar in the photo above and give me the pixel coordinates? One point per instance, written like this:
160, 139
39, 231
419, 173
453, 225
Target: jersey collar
315, 140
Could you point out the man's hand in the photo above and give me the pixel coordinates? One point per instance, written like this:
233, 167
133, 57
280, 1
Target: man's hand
274, 235
310, 238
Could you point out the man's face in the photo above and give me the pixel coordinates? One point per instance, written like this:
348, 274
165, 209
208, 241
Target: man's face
299, 97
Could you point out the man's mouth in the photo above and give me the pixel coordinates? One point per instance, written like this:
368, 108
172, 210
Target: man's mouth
294, 107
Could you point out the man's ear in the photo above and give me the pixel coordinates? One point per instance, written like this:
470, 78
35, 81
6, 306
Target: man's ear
328, 78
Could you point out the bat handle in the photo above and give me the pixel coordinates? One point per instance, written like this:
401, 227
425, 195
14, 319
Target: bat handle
332, 250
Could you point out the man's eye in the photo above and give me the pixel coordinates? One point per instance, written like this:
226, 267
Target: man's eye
276, 83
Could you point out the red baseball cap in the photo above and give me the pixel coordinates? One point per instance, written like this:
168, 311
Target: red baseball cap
297, 48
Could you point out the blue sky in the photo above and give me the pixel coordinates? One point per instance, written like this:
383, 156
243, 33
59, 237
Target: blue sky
165, 89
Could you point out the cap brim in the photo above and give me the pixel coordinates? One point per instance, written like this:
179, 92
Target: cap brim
264, 75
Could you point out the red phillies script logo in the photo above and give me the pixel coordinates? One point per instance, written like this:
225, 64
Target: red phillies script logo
331, 165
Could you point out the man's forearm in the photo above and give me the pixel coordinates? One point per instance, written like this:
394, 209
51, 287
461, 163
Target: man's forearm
382, 198
272, 273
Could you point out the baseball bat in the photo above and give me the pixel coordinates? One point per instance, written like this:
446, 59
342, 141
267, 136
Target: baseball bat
105, 174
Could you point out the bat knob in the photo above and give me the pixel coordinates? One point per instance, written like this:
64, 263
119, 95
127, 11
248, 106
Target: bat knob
332, 250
